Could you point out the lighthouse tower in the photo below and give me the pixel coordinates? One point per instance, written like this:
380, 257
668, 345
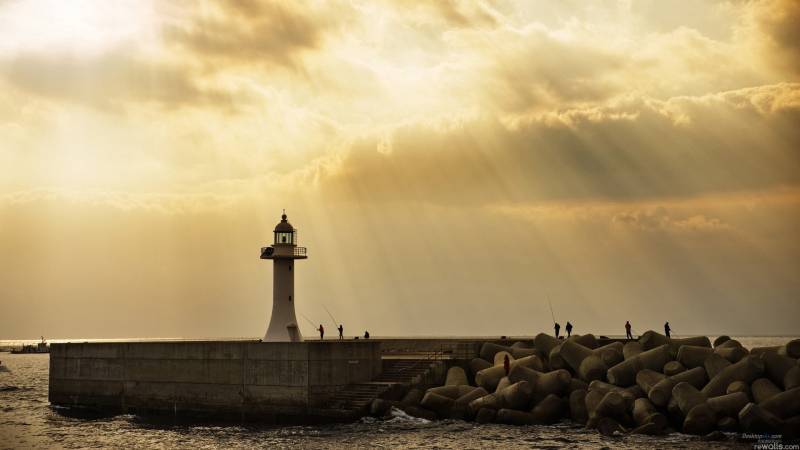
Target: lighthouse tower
283, 252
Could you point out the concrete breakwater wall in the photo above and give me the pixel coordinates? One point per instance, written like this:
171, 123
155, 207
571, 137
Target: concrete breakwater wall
243, 379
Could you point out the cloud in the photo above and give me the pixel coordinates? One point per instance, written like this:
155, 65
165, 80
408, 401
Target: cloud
637, 148
169, 204
185, 63
535, 69
715, 18
110, 80
777, 26
252, 33
659, 219
451, 13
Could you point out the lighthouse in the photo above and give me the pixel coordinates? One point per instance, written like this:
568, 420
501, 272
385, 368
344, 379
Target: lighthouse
283, 252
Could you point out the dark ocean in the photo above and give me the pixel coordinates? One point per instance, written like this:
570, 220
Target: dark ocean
28, 421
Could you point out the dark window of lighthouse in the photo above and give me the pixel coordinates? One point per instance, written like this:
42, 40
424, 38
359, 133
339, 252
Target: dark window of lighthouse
283, 238
290, 298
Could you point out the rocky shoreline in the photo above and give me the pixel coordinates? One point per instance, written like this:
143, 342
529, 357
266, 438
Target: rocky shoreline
653, 386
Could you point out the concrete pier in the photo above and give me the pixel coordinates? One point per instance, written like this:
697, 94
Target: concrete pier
250, 380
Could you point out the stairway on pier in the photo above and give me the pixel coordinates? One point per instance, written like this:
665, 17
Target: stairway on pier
406, 371
354, 399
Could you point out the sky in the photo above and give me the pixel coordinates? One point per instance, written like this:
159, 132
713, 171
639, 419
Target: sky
453, 167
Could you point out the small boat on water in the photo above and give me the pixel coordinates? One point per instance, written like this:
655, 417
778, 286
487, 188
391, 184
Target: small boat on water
41, 347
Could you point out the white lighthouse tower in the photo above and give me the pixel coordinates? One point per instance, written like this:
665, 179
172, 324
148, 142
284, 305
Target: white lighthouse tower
283, 252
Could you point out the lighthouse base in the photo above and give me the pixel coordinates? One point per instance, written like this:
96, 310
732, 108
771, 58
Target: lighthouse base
291, 334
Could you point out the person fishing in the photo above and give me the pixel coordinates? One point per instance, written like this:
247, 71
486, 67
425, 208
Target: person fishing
557, 327
341, 332
506, 364
569, 329
628, 334
366, 335
321, 330
667, 329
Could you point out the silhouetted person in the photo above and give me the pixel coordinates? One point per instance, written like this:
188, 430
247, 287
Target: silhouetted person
569, 329
667, 329
366, 335
557, 327
341, 332
628, 330
321, 330
506, 364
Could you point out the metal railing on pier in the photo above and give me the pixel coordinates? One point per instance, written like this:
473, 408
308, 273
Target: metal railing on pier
428, 358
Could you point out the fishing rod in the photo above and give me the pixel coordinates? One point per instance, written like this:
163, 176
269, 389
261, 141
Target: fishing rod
553, 316
309, 321
335, 323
